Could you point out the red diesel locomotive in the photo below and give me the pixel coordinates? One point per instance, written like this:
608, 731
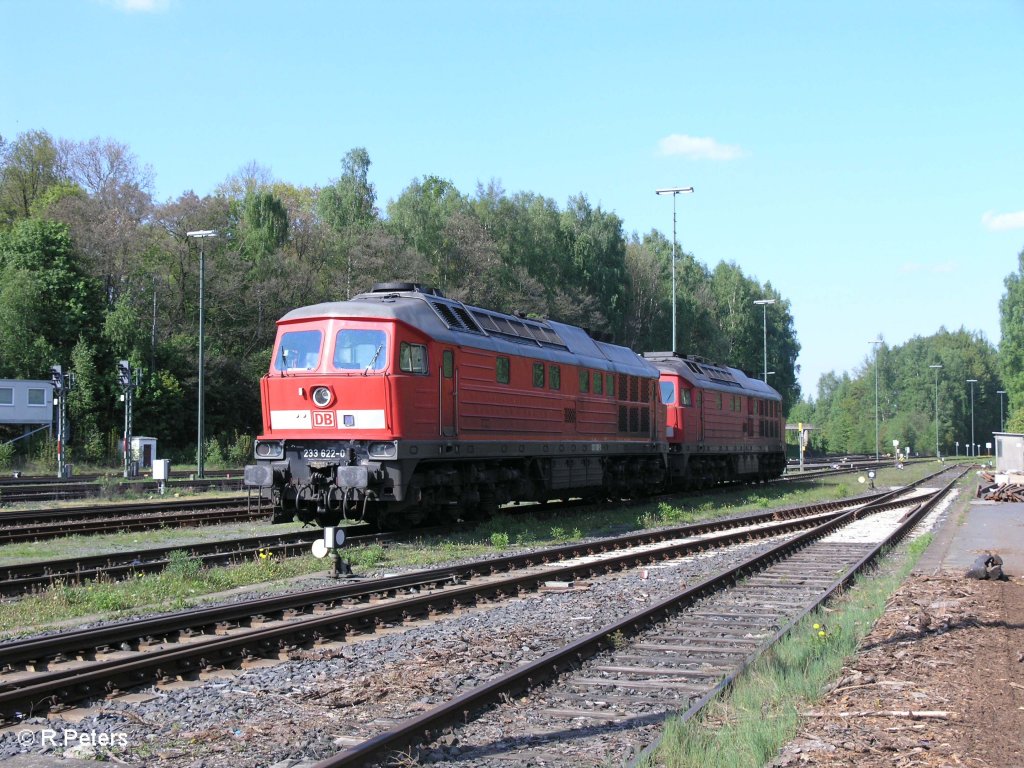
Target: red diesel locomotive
402, 405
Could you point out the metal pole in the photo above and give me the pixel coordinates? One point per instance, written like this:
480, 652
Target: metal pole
764, 319
202, 233
764, 306
673, 191
936, 368
972, 382
876, 342
202, 367
1001, 392
673, 274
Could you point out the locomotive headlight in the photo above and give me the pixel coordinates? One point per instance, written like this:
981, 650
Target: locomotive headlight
382, 450
269, 449
322, 397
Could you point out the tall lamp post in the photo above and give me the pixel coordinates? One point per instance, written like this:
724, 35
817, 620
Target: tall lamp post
201, 234
972, 382
936, 368
876, 342
764, 311
673, 191
1001, 392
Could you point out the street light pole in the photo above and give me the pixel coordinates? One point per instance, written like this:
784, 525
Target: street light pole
972, 382
201, 234
1001, 392
673, 191
876, 342
936, 368
764, 311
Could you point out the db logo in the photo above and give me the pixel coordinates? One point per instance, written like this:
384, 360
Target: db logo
323, 419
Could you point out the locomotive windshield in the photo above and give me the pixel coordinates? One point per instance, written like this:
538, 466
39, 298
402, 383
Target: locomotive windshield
298, 350
668, 393
360, 350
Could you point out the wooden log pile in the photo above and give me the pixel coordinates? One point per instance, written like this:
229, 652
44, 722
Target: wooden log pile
991, 490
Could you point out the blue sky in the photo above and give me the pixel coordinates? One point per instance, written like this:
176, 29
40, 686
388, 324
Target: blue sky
865, 158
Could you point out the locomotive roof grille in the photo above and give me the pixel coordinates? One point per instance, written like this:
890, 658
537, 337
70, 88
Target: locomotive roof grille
514, 329
459, 318
456, 317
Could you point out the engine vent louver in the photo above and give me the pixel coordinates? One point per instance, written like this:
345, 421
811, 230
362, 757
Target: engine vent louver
515, 329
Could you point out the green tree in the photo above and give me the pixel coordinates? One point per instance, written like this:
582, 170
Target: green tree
596, 265
28, 167
1011, 345
85, 404
47, 302
351, 200
420, 217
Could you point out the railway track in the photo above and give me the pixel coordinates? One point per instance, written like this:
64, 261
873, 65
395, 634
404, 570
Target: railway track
37, 525
58, 670
24, 578
605, 695
35, 490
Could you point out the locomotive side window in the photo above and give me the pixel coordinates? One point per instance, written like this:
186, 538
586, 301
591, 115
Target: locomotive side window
584, 381
501, 369
687, 398
609, 384
668, 393
298, 351
598, 381
360, 350
447, 363
719, 399
555, 376
412, 358
538, 374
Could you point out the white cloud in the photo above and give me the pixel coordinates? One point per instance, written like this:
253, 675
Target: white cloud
698, 148
1000, 221
140, 6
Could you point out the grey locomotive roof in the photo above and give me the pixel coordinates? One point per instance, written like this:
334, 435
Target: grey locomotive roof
456, 323
711, 375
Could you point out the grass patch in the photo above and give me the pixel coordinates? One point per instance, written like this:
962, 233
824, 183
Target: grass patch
748, 726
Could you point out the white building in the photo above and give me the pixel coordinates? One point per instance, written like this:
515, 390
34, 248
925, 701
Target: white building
1009, 452
26, 402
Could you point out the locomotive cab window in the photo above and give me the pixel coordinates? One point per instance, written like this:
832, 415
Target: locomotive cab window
357, 349
668, 393
687, 398
412, 358
298, 351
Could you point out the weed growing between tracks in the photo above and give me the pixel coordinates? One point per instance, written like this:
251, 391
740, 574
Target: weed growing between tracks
746, 727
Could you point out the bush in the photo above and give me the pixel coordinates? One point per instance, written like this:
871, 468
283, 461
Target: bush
212, 453
183, 565
6, 455
499, 540
239, 453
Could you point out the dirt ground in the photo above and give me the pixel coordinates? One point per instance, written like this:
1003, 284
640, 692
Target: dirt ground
938, 682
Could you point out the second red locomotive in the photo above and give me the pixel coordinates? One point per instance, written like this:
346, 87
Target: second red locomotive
402, 405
